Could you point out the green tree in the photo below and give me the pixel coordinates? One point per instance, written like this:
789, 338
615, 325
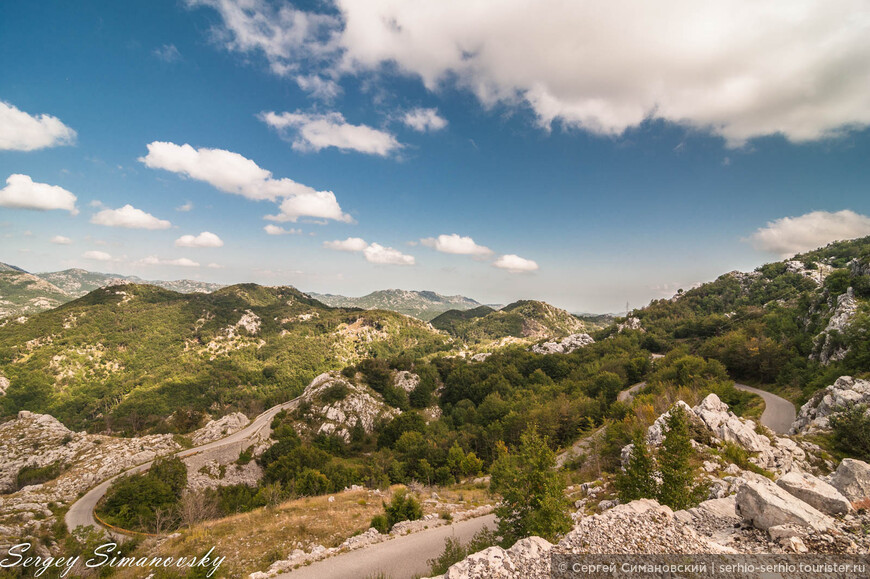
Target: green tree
638, 479
533, 498
677, 489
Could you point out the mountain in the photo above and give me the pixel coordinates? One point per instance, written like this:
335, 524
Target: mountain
22, 293
78, 282
126, 357
521, 319
799, 323
423, 305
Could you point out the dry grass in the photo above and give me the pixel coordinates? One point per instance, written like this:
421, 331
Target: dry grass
252, 541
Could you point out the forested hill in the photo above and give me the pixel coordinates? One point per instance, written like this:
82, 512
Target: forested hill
126, 357
799, 323
523, 319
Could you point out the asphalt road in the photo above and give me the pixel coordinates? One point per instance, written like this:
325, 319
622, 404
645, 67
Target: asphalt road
779, 413
81, 513
400, 558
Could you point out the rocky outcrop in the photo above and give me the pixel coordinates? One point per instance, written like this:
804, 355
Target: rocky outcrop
217, 429
630, 323
335, 405
815, 414
405, 380
565, 346
852, 478
766, 505
827, 346
76, 461
815, 492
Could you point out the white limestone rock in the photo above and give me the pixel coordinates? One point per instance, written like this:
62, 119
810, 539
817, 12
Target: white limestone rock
815, 492
814, 416
565, 346
220, 428
852, 479
766, 505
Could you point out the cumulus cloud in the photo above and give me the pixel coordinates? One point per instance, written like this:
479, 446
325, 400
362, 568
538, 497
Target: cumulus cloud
349, 244
180, 262
61, 240
97, 255
456, 244
791, 235
423, 120
277, 230
232, 173
186, 207
515, 264
313, 132
318, 87
130, 218
20, 131
373, 252
21, 192
204, 239
737, 68
376, 253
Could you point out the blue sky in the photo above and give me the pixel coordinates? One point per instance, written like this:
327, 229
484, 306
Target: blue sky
588, 155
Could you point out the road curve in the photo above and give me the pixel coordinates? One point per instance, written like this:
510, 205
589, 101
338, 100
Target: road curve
81, 513
779, 413
400, 558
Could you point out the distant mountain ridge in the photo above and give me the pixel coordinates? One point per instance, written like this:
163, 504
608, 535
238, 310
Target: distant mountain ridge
524, 319
25, 293
423, 305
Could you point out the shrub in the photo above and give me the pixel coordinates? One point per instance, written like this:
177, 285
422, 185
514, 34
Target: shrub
338, 391
851, 431
34, 475
402, 507
455, 551
380, 523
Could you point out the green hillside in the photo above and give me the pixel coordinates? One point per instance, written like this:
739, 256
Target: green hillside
126, 357
23, 294
799, 323
522, 319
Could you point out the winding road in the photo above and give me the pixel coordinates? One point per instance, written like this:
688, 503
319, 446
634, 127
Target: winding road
779, 413
81, 513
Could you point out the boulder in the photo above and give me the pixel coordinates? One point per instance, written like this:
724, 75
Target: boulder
852, 479
815, 492
766, 505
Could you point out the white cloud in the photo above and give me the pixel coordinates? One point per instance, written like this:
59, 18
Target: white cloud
376, 253
180, 262
21, 192
349, 244
321, 204
318, 87
20, 131
737, 68
215, 266
204, 239
186, 207
791, 235
97, 255
61, 240
515, 264
276, 230
233, 173
423, 120
313, 132
282, 33
167, 53
130, 218
456, 244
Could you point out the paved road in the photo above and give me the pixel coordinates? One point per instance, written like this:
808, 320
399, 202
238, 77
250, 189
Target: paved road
627, 394
81, 513
779, 413
400, 558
